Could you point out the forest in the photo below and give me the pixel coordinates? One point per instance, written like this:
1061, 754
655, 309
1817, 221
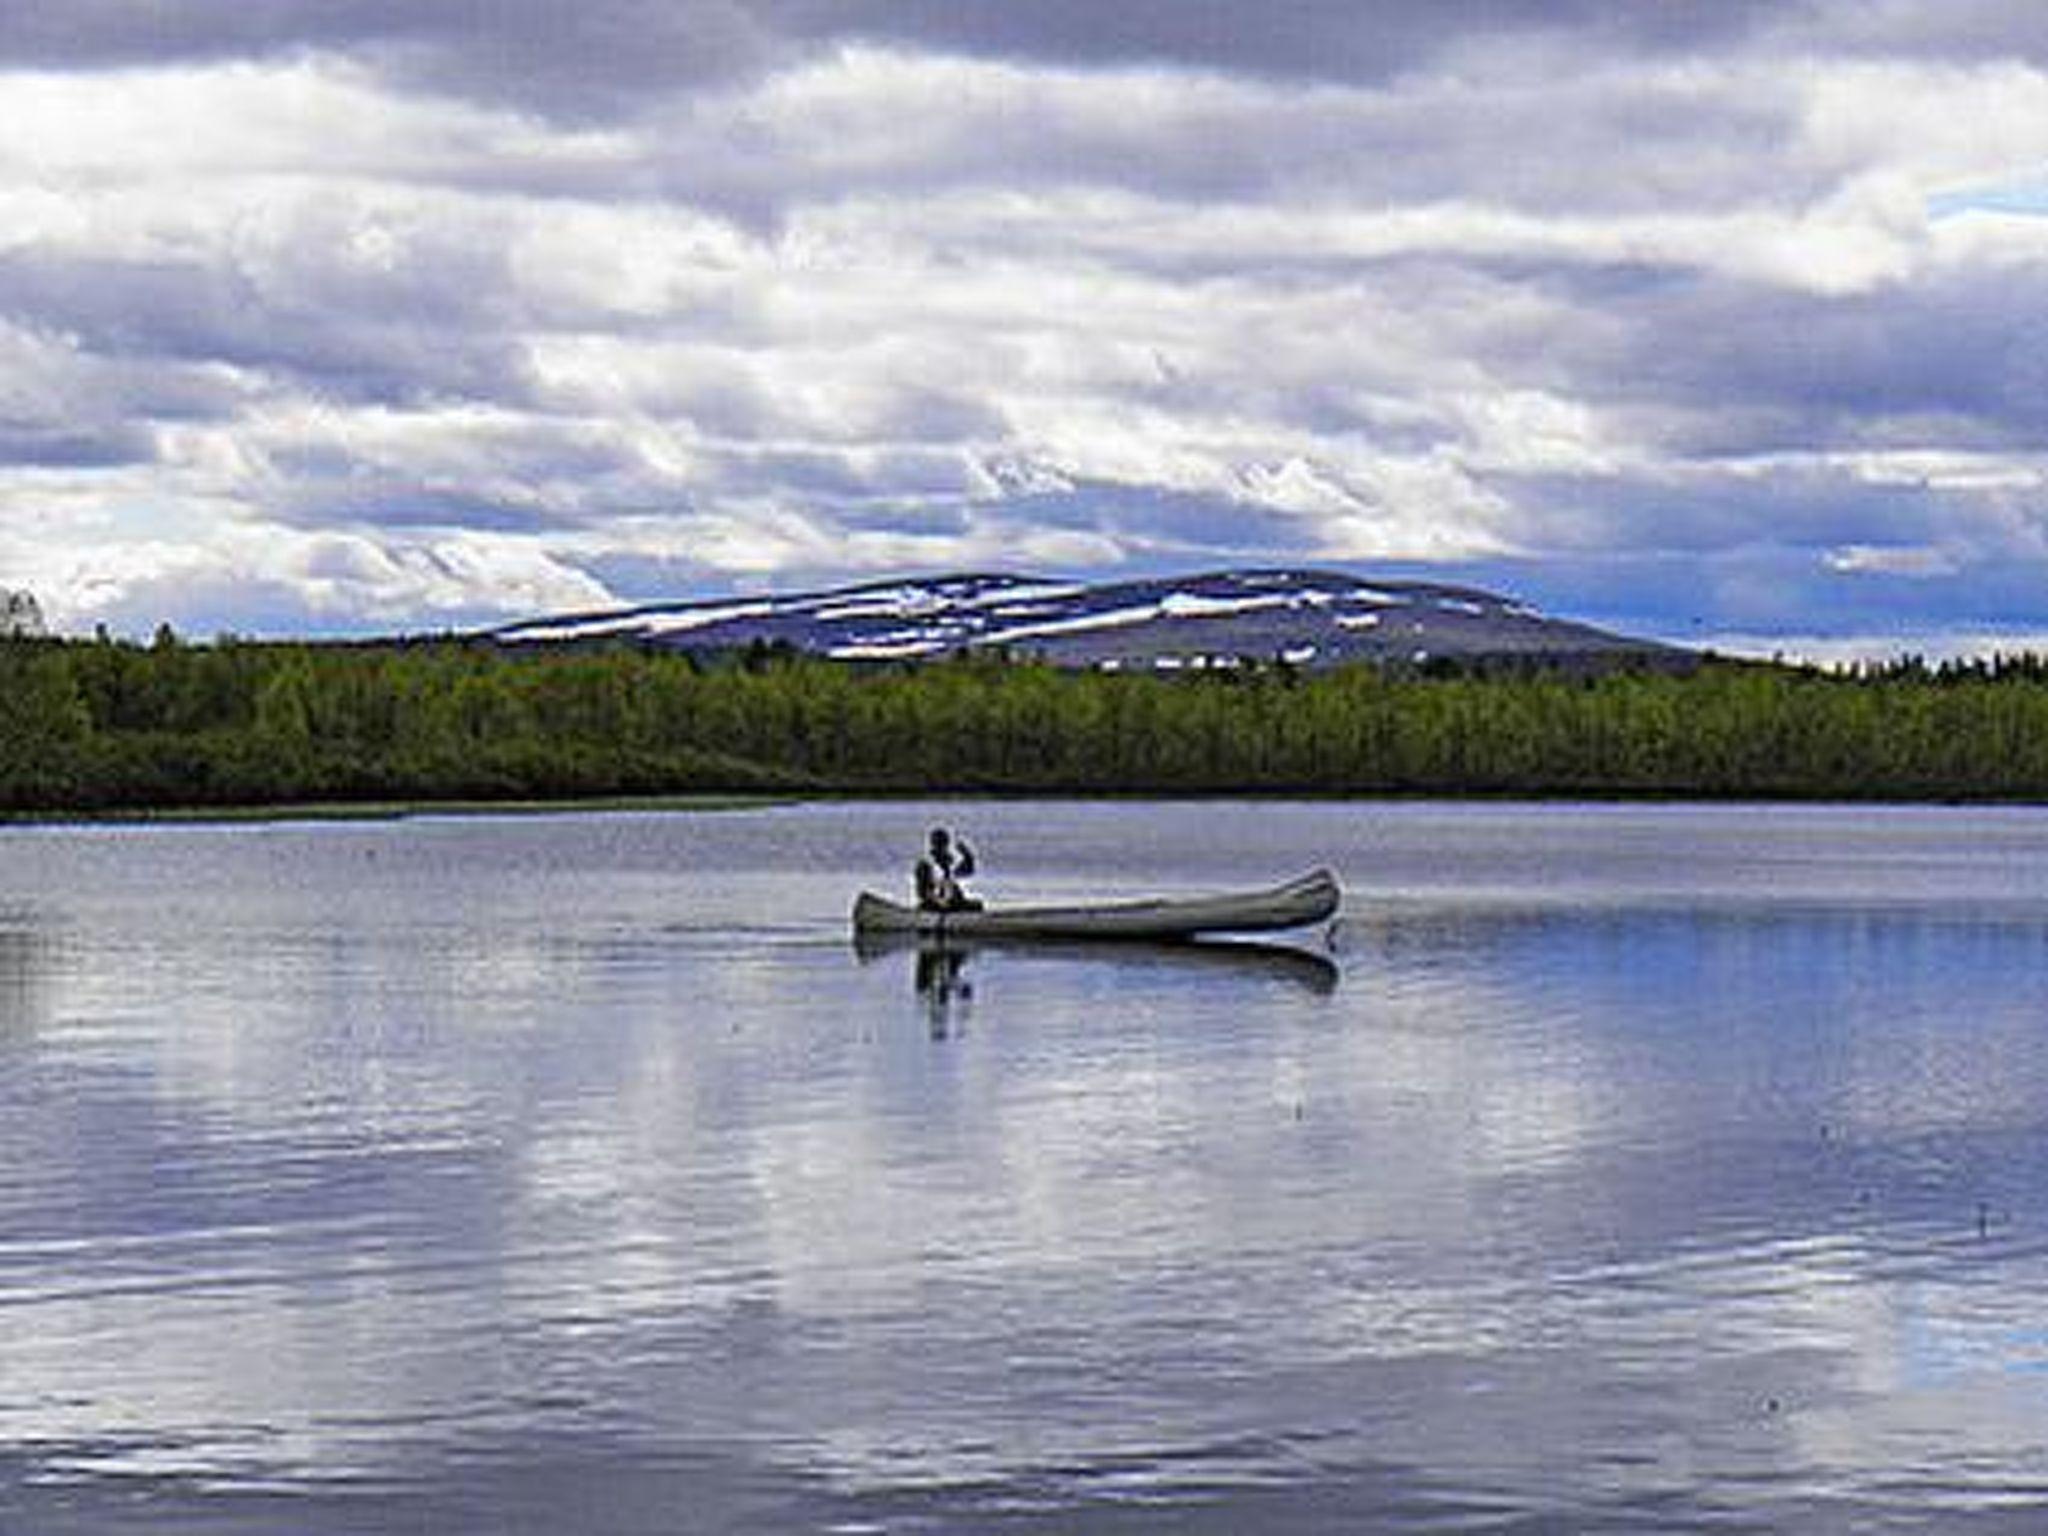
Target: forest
102, 726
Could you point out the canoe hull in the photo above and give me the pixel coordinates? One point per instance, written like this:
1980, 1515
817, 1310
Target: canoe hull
1311, 899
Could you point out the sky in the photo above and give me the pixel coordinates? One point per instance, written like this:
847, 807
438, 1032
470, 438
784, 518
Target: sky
1722, 322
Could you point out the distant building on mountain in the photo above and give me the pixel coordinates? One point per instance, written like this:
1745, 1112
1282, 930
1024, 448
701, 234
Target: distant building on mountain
20, 614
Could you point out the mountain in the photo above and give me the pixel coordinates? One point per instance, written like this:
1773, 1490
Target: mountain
1219, 619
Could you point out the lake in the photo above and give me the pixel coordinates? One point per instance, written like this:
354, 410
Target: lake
1606, 1168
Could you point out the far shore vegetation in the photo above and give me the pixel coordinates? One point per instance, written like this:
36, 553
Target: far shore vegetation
97, 728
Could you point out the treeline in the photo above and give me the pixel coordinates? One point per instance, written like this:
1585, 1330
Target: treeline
89, 726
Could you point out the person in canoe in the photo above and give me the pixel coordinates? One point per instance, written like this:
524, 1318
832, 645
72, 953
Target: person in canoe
939, 874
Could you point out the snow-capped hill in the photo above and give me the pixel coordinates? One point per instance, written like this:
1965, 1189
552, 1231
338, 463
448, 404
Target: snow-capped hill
1219, 619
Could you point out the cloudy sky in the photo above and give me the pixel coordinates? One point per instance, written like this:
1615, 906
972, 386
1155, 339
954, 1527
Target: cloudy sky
1720, 321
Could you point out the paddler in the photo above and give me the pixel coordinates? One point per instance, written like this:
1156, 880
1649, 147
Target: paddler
946, 863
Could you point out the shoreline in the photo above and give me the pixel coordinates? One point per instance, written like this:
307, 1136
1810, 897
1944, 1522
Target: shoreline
397, 810
386, 810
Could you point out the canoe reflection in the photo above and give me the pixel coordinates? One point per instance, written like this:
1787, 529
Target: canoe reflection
940, 969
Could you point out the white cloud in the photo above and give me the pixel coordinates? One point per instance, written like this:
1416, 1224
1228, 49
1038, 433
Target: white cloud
1918, 561
207, 571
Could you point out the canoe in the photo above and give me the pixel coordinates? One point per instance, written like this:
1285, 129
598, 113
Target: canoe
1310, 899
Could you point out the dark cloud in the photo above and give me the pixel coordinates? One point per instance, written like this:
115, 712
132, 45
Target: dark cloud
58, 446
540, 55
440, 327
1722, 367
64, 408
1964, 31
590, 59
1311, 39
86, 34
606, 55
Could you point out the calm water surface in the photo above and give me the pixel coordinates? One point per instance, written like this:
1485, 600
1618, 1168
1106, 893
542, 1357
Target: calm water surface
1607, 1169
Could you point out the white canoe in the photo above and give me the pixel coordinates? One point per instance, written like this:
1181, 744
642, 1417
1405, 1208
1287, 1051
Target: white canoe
1310, 899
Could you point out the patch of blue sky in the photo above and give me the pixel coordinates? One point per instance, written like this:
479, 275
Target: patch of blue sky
2025, 198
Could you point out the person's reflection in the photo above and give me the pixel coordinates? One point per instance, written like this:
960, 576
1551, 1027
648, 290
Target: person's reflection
948, 994
22, 966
